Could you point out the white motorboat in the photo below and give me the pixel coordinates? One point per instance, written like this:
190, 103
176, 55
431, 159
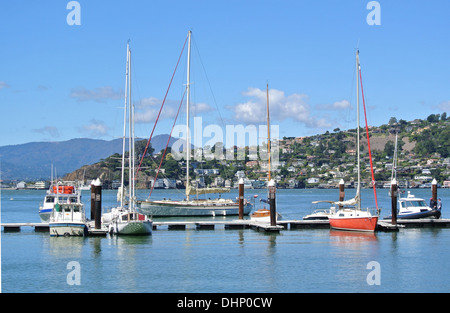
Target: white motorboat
59, 193
319, 213
68, 219
413, 207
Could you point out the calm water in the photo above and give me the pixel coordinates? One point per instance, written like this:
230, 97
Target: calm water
199, 261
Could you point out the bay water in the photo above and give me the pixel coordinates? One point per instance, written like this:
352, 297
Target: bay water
225, 261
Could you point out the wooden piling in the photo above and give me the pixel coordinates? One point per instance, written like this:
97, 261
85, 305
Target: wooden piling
341, 191
394, 202
272, 203
241, 199
92, 201
434, 192
96, 202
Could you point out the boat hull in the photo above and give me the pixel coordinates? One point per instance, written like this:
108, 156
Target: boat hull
354, 223
134, 228
45, 214
263, 216
168, 209
67, 229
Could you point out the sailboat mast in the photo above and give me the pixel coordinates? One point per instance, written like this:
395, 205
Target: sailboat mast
188, 144
394, 160
130, 140
268, 128
358, 191
124, 129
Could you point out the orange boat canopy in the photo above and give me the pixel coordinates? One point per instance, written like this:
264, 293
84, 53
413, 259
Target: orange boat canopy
63, 189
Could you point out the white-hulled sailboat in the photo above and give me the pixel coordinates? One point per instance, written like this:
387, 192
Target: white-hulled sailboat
350, 216
189, 206
125, 219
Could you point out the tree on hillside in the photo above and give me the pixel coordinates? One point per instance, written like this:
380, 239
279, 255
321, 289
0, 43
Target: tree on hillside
392, 121
433, 118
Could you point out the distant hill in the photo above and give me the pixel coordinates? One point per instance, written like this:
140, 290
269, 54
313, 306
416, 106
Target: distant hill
32, 161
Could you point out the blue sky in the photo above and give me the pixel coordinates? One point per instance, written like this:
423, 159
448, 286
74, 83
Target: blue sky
59, 82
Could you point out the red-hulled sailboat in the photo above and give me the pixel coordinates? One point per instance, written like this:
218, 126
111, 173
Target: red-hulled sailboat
350, 216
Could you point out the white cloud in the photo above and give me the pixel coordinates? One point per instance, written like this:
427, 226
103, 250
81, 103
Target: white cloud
147, 109
3, 85
281, 108
444, 106
201, 107
338, 105
100, 94
48, 130
343, 104
95, 129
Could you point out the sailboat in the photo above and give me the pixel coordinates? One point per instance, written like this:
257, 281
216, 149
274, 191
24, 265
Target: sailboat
263, 215
350, 216
125, 219
189, 206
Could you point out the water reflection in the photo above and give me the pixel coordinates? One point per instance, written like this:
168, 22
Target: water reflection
350, 238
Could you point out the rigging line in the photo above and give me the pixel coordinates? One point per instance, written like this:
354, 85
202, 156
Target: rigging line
162, 105
212, 93
168, 140
209, 83
368, 141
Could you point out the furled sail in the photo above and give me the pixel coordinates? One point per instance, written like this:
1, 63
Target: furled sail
349, 202
202, 191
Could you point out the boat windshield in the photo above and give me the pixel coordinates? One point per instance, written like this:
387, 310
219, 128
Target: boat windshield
416, 203
49, 199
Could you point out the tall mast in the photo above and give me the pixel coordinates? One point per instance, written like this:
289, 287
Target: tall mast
394, 159
188, 144
131, 139
358, 191
124, 129
268, 128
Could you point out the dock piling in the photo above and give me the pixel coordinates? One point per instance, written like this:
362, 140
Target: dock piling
341, 192
272, 203
394, 201
434, 192
241, 199
96, 202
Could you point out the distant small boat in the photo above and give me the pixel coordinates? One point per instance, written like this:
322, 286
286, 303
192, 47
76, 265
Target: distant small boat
68, 219
321, 214
263, 215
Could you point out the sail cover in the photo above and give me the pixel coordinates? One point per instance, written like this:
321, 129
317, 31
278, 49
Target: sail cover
202, 191
349, 202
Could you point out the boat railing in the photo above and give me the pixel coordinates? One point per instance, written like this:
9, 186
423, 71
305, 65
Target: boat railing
373, 211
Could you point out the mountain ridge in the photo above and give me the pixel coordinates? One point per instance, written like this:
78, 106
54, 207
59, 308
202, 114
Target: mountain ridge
33, 160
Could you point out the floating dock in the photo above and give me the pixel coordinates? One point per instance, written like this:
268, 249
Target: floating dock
383, 225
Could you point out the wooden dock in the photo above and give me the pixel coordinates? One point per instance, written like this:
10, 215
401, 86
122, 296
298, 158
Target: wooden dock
383, 225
